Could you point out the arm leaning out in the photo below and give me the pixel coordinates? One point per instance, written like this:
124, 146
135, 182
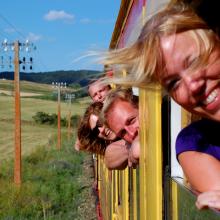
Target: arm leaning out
202, 170
116, 155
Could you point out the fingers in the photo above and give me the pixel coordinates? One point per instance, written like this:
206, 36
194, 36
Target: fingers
132, 161
209, 199
129, 163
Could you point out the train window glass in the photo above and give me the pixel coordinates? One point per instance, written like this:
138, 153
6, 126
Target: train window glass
208, 10
135, 91
186, 205
176, 123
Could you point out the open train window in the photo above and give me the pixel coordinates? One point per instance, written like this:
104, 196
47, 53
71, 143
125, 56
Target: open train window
207, 10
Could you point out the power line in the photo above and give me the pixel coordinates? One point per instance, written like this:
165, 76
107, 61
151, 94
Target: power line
40, 61
4, 35
14, 28
23, 37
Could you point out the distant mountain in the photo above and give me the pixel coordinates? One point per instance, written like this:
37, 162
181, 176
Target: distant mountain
81, 77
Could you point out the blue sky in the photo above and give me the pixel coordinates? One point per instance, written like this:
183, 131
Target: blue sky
61, 30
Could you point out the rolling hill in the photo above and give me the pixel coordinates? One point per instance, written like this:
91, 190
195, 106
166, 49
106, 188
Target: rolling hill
80, 77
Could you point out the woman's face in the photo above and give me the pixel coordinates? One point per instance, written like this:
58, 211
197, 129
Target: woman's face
103, 132
198, 90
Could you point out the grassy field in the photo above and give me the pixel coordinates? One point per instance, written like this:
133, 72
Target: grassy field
28, 87
55, 184
33, 135
29, 106
8, 85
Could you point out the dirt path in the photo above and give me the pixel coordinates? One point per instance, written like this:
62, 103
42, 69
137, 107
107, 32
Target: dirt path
22, 94
87, 208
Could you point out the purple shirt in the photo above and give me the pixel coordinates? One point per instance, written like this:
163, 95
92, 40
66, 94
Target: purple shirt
202, 136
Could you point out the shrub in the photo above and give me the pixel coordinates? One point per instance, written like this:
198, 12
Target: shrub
75, 120
49, 119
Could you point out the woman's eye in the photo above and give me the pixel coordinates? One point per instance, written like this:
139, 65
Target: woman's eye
172, 84
191, 61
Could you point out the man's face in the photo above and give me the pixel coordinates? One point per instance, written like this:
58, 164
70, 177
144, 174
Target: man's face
98, 91
123, 120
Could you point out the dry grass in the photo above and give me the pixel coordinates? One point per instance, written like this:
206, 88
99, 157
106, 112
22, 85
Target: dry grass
32, 135
29, 106
7, 86
25, 86
81, 202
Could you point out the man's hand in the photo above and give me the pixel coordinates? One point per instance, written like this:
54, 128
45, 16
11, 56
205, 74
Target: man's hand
134, 153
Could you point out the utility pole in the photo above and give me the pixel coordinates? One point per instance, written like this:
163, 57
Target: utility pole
17, 163
69, 97
58, 86
16, 46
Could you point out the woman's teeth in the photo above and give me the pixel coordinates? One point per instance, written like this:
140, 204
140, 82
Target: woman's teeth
210, 98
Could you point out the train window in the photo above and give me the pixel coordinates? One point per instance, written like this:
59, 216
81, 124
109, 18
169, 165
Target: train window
175, 125
208, 10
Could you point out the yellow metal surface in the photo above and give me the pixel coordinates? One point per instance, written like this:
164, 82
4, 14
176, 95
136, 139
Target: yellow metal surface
123, 14
151, 154
125, 194
115, 194
104, 190
174, 200
120, 195
134, 193
124, 73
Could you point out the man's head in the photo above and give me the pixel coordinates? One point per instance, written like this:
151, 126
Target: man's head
98, 90
120, 113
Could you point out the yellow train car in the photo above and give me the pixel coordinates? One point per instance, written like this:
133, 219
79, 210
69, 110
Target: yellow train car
157, 189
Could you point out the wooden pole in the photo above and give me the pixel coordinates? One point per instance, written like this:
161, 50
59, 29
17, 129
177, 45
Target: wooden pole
58, 121
69, 119
17, 162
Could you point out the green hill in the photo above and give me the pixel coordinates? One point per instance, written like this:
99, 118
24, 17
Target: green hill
81, 77
77, 81
25, 87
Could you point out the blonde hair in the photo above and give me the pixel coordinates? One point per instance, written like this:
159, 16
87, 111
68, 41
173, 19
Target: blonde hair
143, 60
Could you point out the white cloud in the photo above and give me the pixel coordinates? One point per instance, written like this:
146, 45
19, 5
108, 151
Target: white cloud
33, 37
53, 15
85, 21
88, 21
9, 30
106, 21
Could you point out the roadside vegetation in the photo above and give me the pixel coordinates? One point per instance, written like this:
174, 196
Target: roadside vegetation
56, 184
53, 185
